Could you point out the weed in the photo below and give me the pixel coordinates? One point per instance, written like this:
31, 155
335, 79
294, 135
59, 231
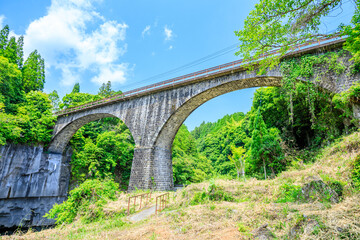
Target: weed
355, 174
289, 193
242, 228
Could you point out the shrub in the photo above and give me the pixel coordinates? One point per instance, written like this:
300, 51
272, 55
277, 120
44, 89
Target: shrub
214, 193
289, 193
355, 175
86, 201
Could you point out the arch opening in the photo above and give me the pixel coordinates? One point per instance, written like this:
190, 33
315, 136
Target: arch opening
102, 147
162, 170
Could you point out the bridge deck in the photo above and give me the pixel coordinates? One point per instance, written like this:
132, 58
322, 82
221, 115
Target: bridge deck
201, 75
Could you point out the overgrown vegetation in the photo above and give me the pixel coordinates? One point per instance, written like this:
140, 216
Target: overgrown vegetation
85, 202
25, 111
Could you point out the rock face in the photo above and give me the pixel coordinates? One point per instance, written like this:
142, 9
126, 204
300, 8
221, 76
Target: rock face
31, 182
318, 190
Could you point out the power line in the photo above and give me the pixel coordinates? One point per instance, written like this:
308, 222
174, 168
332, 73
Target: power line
219, 53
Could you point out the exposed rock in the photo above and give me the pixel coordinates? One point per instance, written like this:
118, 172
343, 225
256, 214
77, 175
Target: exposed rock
263, 233
305, 225
31, 182
318, 190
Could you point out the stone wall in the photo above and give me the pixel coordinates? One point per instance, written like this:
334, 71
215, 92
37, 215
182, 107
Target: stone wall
31, 182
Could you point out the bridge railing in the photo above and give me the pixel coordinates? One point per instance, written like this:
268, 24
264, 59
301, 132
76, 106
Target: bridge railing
202, 73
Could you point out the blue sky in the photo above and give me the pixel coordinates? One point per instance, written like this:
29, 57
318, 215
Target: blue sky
127, 42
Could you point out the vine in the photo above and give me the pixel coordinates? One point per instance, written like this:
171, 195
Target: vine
306, 68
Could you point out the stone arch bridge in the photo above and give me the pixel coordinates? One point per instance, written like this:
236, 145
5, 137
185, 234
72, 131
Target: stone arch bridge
154, 113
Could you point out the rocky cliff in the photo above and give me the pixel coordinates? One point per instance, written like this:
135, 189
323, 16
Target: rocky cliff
31, 182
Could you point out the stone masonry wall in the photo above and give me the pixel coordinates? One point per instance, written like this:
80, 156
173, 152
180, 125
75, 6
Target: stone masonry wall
31, 182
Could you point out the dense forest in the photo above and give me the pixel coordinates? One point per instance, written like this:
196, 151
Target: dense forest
285, 124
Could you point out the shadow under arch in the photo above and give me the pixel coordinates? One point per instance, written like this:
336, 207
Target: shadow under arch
61, 139
163, 144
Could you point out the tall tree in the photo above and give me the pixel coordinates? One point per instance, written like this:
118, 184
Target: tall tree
10, 85
11, 50
265, 147
4, 38
238, 159
76, 88
55, 100
34, 73
20, 52
105, 90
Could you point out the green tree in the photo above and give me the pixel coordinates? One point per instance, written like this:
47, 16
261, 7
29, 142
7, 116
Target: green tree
188, 165
33, 73
55, 100
20, 52
105, 90
281, 24
76, 88
265, 147
10, 85
353, 36
11, 51
4, 38
238, 159
38, 118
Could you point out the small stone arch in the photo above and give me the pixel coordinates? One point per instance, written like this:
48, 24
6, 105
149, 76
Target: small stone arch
62, 138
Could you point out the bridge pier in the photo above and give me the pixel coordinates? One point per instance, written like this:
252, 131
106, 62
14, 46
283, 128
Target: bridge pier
151, 169
140, 177
162, 168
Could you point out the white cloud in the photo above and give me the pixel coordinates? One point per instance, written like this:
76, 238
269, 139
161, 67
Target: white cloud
146, 31
2, 17
171, 47
114, 73
65, 40
168, 33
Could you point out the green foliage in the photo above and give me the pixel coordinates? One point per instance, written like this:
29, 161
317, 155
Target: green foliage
34, 73
265, 148
106, 91
76, 98
38, 118
344, 102
33, 123
25, 113
213, 193
289, 193
216, 145
188, 165
281, 24
355, 174
85, 201
353, 37
55, 100
10, 85
106, 153
238, 159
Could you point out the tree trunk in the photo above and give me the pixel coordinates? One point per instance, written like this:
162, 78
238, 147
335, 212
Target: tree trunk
264, 168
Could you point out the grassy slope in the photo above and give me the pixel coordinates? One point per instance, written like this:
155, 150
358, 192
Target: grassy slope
255, 204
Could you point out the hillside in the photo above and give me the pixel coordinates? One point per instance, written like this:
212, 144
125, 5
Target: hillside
231, 209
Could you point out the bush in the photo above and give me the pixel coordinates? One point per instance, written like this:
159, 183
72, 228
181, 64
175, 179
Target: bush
214, 193
355, 175
289, 193
85, 201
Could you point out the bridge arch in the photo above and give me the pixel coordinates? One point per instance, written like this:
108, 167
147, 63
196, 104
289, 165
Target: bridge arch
162, 165
62, 137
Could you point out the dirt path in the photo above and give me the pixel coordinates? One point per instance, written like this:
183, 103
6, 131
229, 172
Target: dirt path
143, 214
